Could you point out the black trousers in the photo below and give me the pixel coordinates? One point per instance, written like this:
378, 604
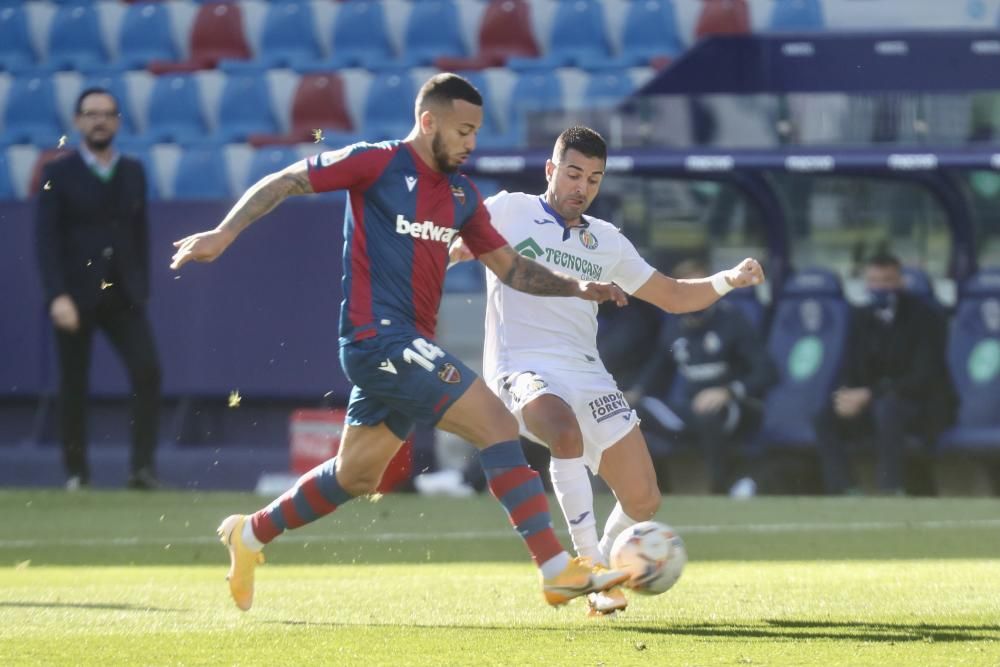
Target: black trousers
885, 423
128, 330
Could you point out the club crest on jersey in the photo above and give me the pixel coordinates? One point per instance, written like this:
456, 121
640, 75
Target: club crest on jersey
449, 374
588, 240
458, 193
426, 230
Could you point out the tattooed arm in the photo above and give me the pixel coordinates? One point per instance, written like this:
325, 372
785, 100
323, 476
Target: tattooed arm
525, 275
262, 197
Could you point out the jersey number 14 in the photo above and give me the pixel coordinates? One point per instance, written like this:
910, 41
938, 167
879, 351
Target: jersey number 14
423, 354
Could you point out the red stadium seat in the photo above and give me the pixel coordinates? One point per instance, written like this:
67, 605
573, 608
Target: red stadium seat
505, 31
723, 17
319, 103
217, 34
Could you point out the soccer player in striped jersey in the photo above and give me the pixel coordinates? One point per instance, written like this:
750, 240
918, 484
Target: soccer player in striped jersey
541, 354
407, 201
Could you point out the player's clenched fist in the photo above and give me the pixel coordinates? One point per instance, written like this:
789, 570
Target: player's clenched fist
746, 274
601, 292
201, 247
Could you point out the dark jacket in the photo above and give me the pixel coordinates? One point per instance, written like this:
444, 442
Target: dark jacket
720, 349
905, 356
89, 231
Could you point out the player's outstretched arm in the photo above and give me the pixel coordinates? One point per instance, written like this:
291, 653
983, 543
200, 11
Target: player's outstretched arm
689, 295
525, 275
261, 198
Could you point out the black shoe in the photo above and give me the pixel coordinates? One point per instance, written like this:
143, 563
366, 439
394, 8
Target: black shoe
143, 480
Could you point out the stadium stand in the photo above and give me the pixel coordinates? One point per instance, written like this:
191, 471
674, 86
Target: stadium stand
505, 32
75, 40
217, 34
796, 15
175, 109
974, 360
201, 174
15, 40
245, 108
145, 35
388, 112
806, 341
650, 33
360, 36
579, 34
268, 160
30, 115
723, 17
289, 37
433, 30
6, 185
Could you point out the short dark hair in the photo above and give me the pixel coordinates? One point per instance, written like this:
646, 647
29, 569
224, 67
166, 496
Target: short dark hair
583, 140
445, 88
884, 259
93, 90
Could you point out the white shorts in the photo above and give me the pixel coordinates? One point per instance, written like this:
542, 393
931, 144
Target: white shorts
604, 415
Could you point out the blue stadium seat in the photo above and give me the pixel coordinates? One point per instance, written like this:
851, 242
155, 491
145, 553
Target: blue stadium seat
796, 15
245, 108
806, 342
6, 186
145, 35
433, 30
534, 90
31, 116
268, 160
15, 40
141, 150
360, 38
607, 88
974, 360
578, 33
490, 135
288, 38
75, 38
388, 110
750, 308
202, 174
650, 31
175, 112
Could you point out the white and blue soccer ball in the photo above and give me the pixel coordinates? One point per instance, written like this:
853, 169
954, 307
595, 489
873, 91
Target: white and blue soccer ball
652, 553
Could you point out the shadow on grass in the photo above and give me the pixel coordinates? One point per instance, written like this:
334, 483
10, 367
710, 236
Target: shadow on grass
773, 629
85, 605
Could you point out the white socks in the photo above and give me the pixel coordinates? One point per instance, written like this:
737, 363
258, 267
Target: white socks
249, 539
555, 565
571, 483
617, 522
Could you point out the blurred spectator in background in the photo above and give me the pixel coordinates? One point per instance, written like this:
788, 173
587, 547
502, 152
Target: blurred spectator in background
894, 382
93, 252
704, 379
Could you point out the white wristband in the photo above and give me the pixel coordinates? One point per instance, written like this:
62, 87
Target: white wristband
721, 285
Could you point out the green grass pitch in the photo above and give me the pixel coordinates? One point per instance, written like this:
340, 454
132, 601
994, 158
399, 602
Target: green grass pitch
118, 578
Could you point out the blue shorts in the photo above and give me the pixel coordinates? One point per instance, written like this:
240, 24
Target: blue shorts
401, 378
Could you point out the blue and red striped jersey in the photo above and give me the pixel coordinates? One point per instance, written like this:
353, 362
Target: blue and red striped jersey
401, 216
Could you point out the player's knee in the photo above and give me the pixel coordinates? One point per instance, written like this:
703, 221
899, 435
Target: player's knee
567, 443
643, 505
358, 483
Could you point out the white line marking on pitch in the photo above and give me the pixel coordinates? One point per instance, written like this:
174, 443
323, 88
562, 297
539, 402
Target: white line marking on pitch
498, 534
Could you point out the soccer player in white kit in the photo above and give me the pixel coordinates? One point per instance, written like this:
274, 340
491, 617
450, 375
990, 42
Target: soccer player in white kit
541, 354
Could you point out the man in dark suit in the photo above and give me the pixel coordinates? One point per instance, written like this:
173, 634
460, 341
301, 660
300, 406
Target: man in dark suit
93, 254
894, 382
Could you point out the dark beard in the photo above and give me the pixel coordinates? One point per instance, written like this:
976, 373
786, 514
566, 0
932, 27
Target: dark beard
440, 157
98, 144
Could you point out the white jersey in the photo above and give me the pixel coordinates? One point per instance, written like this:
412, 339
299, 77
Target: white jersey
526, 332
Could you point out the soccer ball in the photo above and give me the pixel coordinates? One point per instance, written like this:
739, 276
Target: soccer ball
652, 553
